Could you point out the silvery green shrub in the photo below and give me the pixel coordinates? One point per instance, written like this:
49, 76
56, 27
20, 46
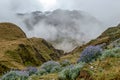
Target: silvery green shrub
65, 63
31, 70
64, 74
41, 72
90, 53
15, 75
49, 66
111, 53
56, 69
71, 72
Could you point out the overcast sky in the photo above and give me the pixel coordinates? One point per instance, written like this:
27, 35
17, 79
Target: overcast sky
107, 11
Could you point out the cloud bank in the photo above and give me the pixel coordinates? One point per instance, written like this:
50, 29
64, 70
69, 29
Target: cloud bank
105, 11
65, 29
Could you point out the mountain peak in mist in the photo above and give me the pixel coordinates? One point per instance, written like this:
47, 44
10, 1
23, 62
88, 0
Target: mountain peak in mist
65, 29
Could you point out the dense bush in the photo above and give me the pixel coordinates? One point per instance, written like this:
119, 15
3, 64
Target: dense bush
90, 53
56, 69
114, 44
31, 70
115, 52
65, 63
15, 75
41, 72
71, 72
50, 65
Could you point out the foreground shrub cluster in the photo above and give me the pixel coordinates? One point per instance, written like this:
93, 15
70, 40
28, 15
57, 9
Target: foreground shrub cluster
51, 66
90, 53
65, 63
31, 70
16, 75
65, 70
111, 53
48, 67
71, 72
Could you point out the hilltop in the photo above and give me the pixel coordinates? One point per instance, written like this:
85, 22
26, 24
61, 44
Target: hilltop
9, 31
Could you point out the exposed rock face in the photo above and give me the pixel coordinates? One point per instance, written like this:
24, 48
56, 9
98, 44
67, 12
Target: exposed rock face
108, 36
17, 51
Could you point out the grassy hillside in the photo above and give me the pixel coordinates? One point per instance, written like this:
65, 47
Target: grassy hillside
105, 67
9, 31
109, 35
97, 60
101, 69
17, 51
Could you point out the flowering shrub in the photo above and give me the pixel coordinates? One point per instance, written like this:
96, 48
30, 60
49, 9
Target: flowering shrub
71, 72
50, 65
15, 75
31, 70
90, 53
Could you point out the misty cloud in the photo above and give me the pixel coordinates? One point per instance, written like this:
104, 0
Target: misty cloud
9, 8
45, 24
106, 11
65, 29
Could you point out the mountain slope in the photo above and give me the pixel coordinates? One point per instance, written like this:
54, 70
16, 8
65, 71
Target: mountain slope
108, 36
17, 51
105, 67
9, 31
